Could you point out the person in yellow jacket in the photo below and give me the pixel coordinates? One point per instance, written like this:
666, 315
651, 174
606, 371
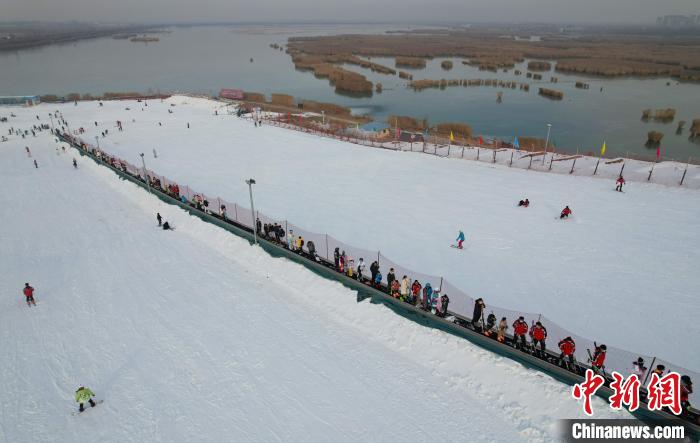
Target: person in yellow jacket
83, 395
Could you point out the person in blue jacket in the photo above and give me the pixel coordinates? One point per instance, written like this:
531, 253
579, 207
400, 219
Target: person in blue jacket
460, 239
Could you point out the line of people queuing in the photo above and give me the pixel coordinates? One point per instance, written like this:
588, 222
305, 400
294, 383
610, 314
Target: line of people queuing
431, 300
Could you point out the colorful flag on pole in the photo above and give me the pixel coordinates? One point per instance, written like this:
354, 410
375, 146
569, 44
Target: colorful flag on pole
481, 141
658, 152
516, 144
602, 150
452, 136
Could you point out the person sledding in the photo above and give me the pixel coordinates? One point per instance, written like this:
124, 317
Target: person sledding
460, 239
29, 294
84, 395
565, 213
524, 203
618, 183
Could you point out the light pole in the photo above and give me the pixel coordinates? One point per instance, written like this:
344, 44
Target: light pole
546, 143
145, 173
250, 183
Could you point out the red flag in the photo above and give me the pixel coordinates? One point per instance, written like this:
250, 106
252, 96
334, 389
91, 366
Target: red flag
658, 152
481, 141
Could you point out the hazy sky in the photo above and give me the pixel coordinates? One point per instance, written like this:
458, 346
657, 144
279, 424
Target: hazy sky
570, 11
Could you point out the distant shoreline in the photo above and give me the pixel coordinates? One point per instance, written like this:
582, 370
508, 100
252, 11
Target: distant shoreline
33, 38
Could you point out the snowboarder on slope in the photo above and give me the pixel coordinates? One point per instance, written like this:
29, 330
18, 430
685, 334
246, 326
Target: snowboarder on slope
83, 395
565, 213
620, 181
166, 227
460, 239
159, 218
29, 294
525, 203
75, 164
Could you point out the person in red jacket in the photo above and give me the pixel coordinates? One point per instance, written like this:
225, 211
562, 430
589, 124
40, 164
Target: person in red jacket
519, 330
29, 294
567, 348
565, 213
618, 184
686, 390
598, 358
539, 334
415, 291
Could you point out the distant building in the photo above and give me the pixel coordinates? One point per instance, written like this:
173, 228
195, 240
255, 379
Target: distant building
20, 100
231, 94
678, 21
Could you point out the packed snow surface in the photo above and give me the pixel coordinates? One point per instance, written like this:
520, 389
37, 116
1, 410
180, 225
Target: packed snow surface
194, 335
621, 271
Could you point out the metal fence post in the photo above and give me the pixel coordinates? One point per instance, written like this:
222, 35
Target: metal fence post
572, 167
494, 156
511, 158
478, 152
684, 172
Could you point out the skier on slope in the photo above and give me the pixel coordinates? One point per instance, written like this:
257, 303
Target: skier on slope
565, 213
525, 203
519, 330
84, 395
618, 183
159, 218
75, 164
460, 239
29, 294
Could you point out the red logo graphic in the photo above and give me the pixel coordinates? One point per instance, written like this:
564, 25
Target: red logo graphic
665, 392
587, 389
626, 393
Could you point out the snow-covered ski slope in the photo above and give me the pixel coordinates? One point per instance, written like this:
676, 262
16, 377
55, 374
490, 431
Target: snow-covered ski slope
194, 335
621, 271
